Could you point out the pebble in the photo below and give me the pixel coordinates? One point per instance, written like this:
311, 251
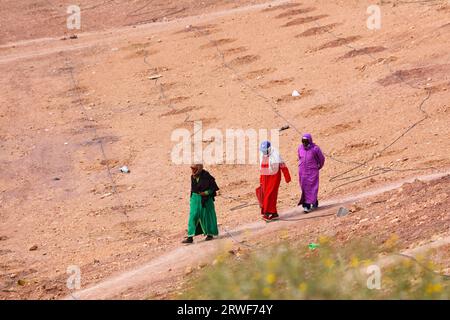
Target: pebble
188, 270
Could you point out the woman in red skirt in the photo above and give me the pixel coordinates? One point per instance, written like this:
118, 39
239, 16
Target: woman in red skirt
270, 178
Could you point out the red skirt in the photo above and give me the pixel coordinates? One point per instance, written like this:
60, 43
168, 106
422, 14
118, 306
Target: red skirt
269, 192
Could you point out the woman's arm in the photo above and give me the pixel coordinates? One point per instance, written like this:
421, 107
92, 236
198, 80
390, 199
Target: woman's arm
320, 158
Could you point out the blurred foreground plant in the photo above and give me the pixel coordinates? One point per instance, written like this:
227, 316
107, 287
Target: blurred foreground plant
327, 272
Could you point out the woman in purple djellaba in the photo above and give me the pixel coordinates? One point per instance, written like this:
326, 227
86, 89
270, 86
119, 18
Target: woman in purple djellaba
311, 160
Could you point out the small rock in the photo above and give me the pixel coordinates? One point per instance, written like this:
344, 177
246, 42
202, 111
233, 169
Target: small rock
13, 275
295, 93
355, 208
394, 220
106, 195
33, 248
188, 270
21, 282
50, 287
342, 212
125, 169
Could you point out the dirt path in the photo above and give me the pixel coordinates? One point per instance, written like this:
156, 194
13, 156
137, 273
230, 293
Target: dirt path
133, 283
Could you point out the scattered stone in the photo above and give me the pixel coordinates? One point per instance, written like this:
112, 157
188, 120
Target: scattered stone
295, 93
50, 287
33, 248
155, 76
106, 195
394, 220
13, 275
56, 178
188, 270
342, 212
284, 128
3, 238
73, 36
355, 208
124, 169
21, 282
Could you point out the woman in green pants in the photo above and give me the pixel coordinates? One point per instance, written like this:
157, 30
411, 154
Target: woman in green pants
202, 215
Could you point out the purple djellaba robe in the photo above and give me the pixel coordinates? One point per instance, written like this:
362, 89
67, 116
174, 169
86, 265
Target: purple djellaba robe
311, 160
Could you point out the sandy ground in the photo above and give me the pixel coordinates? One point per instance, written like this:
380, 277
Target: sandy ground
72, 112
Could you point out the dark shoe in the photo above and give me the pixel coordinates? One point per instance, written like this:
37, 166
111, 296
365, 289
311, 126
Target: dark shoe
274, 216
209, 238
188, 240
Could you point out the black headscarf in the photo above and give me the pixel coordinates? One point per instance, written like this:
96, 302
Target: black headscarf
206, 182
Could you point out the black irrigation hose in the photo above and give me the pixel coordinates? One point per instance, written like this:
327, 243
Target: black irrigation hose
99, 140
412, 126
96, 138
358, 164
307, 218
236, 240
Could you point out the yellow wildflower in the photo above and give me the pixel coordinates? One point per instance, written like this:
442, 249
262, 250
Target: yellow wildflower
303, 287
270, 278
434, 288
324, 240
391, 242
266, 291
329, 263
354, 262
